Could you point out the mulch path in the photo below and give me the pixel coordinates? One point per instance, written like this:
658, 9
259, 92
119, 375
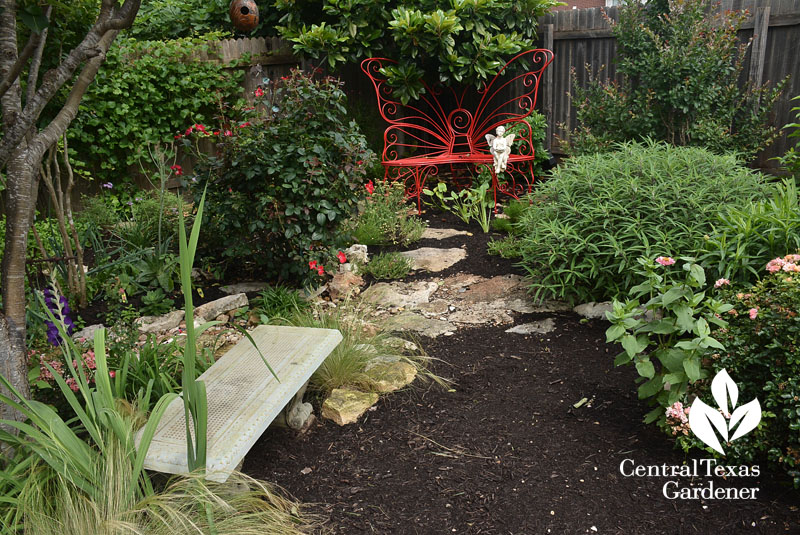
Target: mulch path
506, 451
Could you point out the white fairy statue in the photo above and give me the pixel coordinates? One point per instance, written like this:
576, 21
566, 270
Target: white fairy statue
500, 147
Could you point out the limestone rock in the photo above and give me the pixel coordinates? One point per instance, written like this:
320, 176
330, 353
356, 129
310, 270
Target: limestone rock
346, 406
434, 259
399, 294
398, 344
223, 305
87, 333
442, 233
594, 311
388, 375
492, 289
343, 284
541, 327
437, 307
480, 315
157, 324
357, 253
244, 287
408, 321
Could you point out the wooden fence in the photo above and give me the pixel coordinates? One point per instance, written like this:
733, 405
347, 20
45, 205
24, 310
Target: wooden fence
583, 36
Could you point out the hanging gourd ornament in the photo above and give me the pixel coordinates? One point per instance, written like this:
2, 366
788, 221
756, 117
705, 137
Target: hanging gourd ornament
244, 15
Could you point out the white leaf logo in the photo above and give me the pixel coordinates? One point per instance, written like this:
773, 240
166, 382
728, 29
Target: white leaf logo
703, 419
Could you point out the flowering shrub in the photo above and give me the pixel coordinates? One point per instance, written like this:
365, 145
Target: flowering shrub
673, 330
285, 176
384, 218
762, 352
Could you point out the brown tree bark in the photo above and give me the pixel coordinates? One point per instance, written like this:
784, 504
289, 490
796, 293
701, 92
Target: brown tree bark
23, 146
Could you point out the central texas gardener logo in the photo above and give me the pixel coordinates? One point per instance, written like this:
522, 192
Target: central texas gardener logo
703, 419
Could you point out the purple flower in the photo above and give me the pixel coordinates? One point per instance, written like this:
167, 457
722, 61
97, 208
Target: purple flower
61, 312
108, 185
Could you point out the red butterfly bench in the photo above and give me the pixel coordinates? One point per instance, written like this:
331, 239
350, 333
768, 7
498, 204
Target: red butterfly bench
433, 132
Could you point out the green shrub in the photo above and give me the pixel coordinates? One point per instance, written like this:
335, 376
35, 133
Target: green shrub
762, 355
590, 222
456, 42
791, 160
387, 266
146, 91
745, 238
680, 65
284, 179
385, 218
279, 302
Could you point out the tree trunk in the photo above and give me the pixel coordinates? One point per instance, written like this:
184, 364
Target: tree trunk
19, 196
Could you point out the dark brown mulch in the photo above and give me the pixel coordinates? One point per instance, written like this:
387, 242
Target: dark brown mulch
506, 452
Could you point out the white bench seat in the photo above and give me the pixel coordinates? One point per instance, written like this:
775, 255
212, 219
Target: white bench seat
243, 397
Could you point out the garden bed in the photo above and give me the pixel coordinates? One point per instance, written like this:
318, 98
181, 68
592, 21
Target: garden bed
507, 451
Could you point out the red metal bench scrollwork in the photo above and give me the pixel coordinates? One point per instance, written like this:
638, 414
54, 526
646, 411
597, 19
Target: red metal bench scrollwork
447, 128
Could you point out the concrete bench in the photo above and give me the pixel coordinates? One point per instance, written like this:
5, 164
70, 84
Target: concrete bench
244, 397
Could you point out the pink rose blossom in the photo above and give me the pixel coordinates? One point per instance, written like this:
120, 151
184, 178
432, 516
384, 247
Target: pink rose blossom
721, 282
753, 313
775, 265
791, 267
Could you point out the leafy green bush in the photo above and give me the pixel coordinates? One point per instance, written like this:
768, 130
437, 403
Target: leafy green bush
680, 70
590, 222
385, 218
467, 204
279, 302
673, 330
146, 91
791, 160
387, 266
456, 42
745, 238
285, 179
762, 354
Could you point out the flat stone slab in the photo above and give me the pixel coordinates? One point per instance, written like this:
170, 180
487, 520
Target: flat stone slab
243, 397
87, 333
434, 259
212, 309
399, 294
158, 324
594, 311
345, 406
244, 287
408, 321
442, 233
536, 327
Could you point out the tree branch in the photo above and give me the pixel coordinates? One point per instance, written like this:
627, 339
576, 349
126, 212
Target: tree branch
16, 68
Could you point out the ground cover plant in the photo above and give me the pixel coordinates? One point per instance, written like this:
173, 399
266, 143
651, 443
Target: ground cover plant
589, 223
286, 175
391, 265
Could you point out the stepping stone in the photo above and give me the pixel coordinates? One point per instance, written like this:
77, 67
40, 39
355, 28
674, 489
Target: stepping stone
157, 324
346, 406
541, 327
399, 294
223, 305
244, 287
594, 311
442, 233
408, 321
492, 289
434, 259
87, 333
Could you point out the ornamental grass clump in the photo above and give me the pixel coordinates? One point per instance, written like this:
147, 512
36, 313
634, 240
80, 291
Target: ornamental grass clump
587, 226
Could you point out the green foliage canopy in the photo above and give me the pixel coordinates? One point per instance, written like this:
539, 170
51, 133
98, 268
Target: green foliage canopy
457, 41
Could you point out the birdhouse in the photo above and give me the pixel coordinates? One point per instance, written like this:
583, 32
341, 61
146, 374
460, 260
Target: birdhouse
244, 15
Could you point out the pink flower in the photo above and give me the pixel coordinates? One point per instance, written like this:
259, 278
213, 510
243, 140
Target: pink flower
112, 374
721, 282
775, 265
200, 128
72, 384
791, 267
753, 313
794, 258
189, 131
370, 187
665, 260
259, 92
342, 258
228, 133
312, 264
245, 124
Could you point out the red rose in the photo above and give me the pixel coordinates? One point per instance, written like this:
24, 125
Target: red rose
370, 187
342, 258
